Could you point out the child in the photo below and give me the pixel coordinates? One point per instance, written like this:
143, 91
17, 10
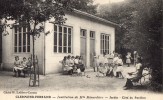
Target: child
128, 59
110, 71
24, 62
115, 64
102, 70
119, 67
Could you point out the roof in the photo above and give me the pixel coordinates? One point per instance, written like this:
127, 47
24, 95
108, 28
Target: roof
94, 17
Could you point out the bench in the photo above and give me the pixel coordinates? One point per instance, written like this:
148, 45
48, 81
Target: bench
146, 76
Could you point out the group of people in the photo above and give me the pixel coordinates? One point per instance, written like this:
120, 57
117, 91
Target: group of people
73, 64
112, 64
109, 65
21, 66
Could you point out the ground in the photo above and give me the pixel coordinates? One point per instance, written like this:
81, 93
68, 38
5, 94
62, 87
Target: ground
61, 83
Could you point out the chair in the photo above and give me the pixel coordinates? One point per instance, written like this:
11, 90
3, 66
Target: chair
143, 77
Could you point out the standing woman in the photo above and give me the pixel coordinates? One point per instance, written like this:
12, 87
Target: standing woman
128, 59
95, 63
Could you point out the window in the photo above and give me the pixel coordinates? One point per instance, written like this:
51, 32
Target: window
83, 33
21, 39
62, 39
104, 43
92, 34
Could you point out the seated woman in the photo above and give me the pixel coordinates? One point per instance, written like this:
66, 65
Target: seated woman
28, 66
17, 66
76, 64
29, 63
24, 62
81, 64
65, 65
69, 65
134, 76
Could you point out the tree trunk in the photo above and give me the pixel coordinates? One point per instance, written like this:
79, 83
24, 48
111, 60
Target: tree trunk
34, 66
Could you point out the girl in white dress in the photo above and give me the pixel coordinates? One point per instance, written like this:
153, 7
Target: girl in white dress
128, 59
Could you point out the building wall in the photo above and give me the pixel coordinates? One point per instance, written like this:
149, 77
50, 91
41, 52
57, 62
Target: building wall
77, 22
8, 54
44, 44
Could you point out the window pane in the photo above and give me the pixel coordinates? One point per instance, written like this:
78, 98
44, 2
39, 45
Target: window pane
60, 39
65, 30
24, 28
15, 49
60, 49
55, 28
20, 49
65, 50
16, 29
60, 29
20, 39
69, 49
65, 40
24, 38
16, 40
24, 48
55, 48
69, 31
55, 38
20, 29
69, 40
28, 48
28, 39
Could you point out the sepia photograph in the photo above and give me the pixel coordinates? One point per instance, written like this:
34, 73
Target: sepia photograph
81, 49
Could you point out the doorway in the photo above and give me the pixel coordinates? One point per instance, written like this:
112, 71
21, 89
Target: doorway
83, 45
92, 47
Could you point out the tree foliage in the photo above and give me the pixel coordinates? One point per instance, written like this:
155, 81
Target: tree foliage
140, 24
84, 5
32, 13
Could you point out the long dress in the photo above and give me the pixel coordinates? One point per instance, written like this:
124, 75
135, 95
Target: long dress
66, 66
115, 64
137, 73
120, 65
17, 66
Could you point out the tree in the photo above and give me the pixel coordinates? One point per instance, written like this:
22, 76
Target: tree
140, 24
33, 13
84, 5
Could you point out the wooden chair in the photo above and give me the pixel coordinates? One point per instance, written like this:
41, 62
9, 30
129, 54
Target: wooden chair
144, 77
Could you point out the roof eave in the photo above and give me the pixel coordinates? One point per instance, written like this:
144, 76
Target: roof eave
94, 17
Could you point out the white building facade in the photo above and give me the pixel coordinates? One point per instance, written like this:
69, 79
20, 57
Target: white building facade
82, 34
